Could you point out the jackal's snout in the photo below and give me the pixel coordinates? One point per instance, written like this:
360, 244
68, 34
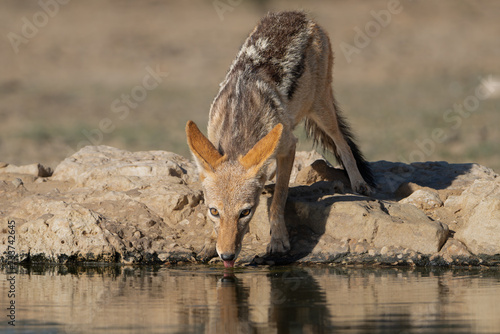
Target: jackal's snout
227, 256
228, 259
229, 239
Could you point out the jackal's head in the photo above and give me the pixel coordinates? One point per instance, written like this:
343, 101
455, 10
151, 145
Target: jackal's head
232, 187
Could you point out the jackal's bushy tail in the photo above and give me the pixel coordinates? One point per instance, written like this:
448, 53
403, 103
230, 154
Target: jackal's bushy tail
320, 137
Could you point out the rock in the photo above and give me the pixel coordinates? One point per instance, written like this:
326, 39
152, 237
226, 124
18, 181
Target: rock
303, 160
454, 251
319, 170
108, 205
407, 227
34, 169
400, 180
386, 224
477, 208
17, 182
56, 231
122, 170
424, 199
481, 231
472, 195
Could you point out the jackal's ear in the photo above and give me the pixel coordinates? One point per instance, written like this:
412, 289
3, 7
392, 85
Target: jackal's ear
203, 150
258, 156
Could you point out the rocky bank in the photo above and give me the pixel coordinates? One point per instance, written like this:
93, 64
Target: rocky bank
103, 204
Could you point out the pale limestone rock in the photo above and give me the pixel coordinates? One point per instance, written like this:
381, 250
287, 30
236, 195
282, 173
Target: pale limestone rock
302, 160
106, 204
481, 232
386, 224
454, 250
407, 227
130, 168
318, 171
478, 206
56, 231
33, 169
424, 199
475, 193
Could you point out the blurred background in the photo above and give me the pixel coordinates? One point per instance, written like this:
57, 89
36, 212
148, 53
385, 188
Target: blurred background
418, 80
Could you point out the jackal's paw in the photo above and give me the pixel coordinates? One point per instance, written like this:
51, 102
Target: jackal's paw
362, 188
208, 252
278, 245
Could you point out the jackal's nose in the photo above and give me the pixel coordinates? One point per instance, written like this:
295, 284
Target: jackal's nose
227, 256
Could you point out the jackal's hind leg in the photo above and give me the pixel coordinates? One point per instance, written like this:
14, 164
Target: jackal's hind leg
279, 235
358, 184
334, 126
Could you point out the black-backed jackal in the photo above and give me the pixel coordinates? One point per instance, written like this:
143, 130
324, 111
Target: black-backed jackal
281, 75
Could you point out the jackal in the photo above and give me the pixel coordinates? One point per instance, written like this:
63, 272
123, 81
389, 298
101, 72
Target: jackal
281, 75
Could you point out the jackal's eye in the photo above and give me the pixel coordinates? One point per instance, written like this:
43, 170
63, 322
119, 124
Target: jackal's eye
245, 213
214, 212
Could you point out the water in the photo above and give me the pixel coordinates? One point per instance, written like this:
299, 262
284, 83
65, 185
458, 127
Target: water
291, 299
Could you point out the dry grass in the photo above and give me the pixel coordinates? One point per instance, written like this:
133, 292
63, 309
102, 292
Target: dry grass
395, 91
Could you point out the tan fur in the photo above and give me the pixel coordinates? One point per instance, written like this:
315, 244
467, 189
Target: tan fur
262, 151
202, 147
231, 186
281, 75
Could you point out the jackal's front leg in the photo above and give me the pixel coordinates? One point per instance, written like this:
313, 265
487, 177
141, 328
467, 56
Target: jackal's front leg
279, 235
209, 249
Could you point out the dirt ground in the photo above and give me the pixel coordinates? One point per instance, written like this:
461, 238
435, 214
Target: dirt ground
418, 80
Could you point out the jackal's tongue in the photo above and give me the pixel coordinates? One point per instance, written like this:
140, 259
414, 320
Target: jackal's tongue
228, 264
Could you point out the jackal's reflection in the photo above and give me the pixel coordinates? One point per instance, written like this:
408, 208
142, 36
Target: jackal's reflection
270, 298
203, 299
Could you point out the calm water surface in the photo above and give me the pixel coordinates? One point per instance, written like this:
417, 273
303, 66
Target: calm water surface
201, 299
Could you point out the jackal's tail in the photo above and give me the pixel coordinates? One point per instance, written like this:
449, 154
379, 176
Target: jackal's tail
321, 137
